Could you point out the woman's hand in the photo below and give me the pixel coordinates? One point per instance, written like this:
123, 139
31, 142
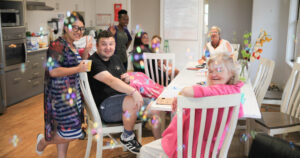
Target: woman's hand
138, 99
174, 104
89, 44
82, 67
125, 77
112, 29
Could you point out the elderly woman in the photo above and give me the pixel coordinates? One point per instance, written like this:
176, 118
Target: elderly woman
217, 44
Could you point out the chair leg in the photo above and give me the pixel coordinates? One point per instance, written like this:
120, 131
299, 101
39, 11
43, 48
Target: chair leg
89, 143
139, 132
99, 146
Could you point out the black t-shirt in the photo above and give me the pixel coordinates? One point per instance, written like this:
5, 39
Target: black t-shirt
100, 90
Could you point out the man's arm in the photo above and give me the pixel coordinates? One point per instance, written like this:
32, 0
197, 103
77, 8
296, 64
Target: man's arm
120, 86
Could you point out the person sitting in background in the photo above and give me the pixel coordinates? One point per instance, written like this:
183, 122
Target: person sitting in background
122, 37
217, 44
116, 100
155, 47
223, 79
155, 44
140, 45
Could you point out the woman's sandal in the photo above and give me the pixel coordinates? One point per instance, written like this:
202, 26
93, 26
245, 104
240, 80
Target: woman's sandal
38, 139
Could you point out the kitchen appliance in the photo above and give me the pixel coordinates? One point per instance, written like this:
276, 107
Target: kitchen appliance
14, 47
10, 17
12, 57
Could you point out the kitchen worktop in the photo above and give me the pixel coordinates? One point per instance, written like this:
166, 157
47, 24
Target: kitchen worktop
40, 49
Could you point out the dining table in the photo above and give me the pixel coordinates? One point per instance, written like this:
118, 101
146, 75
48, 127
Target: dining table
192, 75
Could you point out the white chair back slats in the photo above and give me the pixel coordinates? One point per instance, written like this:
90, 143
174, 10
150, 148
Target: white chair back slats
216, 103
263, 79
157, 67
291, 94
94, 119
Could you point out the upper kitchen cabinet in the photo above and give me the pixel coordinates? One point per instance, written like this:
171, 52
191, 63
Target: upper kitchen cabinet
12, 13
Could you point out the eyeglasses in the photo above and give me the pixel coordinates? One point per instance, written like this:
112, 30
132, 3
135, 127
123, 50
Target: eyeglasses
77, 28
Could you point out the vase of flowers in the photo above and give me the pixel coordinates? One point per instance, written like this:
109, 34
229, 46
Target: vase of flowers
250, 53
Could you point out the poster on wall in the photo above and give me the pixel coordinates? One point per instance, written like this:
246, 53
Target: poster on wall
103, 19
117, 8
181, 19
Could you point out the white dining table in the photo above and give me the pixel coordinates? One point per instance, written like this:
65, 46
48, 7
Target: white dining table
191, 77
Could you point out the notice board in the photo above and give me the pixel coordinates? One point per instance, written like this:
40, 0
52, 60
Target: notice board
181, 19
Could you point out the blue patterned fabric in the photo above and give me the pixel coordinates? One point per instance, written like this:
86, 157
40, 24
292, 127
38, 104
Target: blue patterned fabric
62, 99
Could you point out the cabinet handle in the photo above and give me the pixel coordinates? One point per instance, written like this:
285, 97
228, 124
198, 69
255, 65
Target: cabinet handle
17, 79
35, 64
36, 83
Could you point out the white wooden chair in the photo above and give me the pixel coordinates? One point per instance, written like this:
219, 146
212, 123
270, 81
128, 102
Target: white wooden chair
216, 103
263, 79
288, 119
236, 49
152, 67
95, 119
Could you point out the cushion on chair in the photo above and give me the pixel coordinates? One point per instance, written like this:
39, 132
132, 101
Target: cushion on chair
277, 120
265, 146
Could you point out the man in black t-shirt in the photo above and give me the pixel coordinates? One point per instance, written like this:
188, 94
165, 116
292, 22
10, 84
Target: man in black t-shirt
116, 100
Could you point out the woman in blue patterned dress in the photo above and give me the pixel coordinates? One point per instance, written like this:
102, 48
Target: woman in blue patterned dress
62, 100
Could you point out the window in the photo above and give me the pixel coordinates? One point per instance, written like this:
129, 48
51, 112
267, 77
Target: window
293, 36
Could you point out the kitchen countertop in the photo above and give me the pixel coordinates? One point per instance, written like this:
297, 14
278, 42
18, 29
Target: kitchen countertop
40, 49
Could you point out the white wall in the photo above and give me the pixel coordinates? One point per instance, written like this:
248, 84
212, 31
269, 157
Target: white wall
185, 50
272, 15
232, 16
146, 17
37, 18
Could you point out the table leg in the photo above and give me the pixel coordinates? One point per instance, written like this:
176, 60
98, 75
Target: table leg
249, 125
163, 120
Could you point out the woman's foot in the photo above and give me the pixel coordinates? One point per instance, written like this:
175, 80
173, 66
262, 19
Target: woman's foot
39, 146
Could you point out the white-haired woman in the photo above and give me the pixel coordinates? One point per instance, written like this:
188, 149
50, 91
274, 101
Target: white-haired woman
223, 79
217, 45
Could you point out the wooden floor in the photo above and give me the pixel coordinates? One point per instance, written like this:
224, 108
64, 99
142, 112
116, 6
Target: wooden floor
25, 120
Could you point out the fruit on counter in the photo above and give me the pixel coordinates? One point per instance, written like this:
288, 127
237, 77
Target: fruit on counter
28, 34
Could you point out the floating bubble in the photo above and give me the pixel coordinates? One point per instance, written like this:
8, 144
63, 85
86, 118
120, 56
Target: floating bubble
68, 13
70, 27
66, 21
292, 145
136, 57
15, 140
73, 95
244, 137
253, 134
72, 20
70, 90
126, 115
95, 125
112, 144
23, 68
67, 96
181, 148
71, 102
142, 89
138, 49
142, 64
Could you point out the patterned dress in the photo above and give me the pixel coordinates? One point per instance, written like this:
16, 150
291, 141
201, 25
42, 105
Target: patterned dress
62, 100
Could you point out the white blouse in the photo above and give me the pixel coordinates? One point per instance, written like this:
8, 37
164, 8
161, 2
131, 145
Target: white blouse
224, 47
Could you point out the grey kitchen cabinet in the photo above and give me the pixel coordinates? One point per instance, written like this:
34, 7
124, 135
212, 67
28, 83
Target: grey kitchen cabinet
20, 84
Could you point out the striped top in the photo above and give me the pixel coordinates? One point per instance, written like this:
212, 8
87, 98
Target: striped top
62, 100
